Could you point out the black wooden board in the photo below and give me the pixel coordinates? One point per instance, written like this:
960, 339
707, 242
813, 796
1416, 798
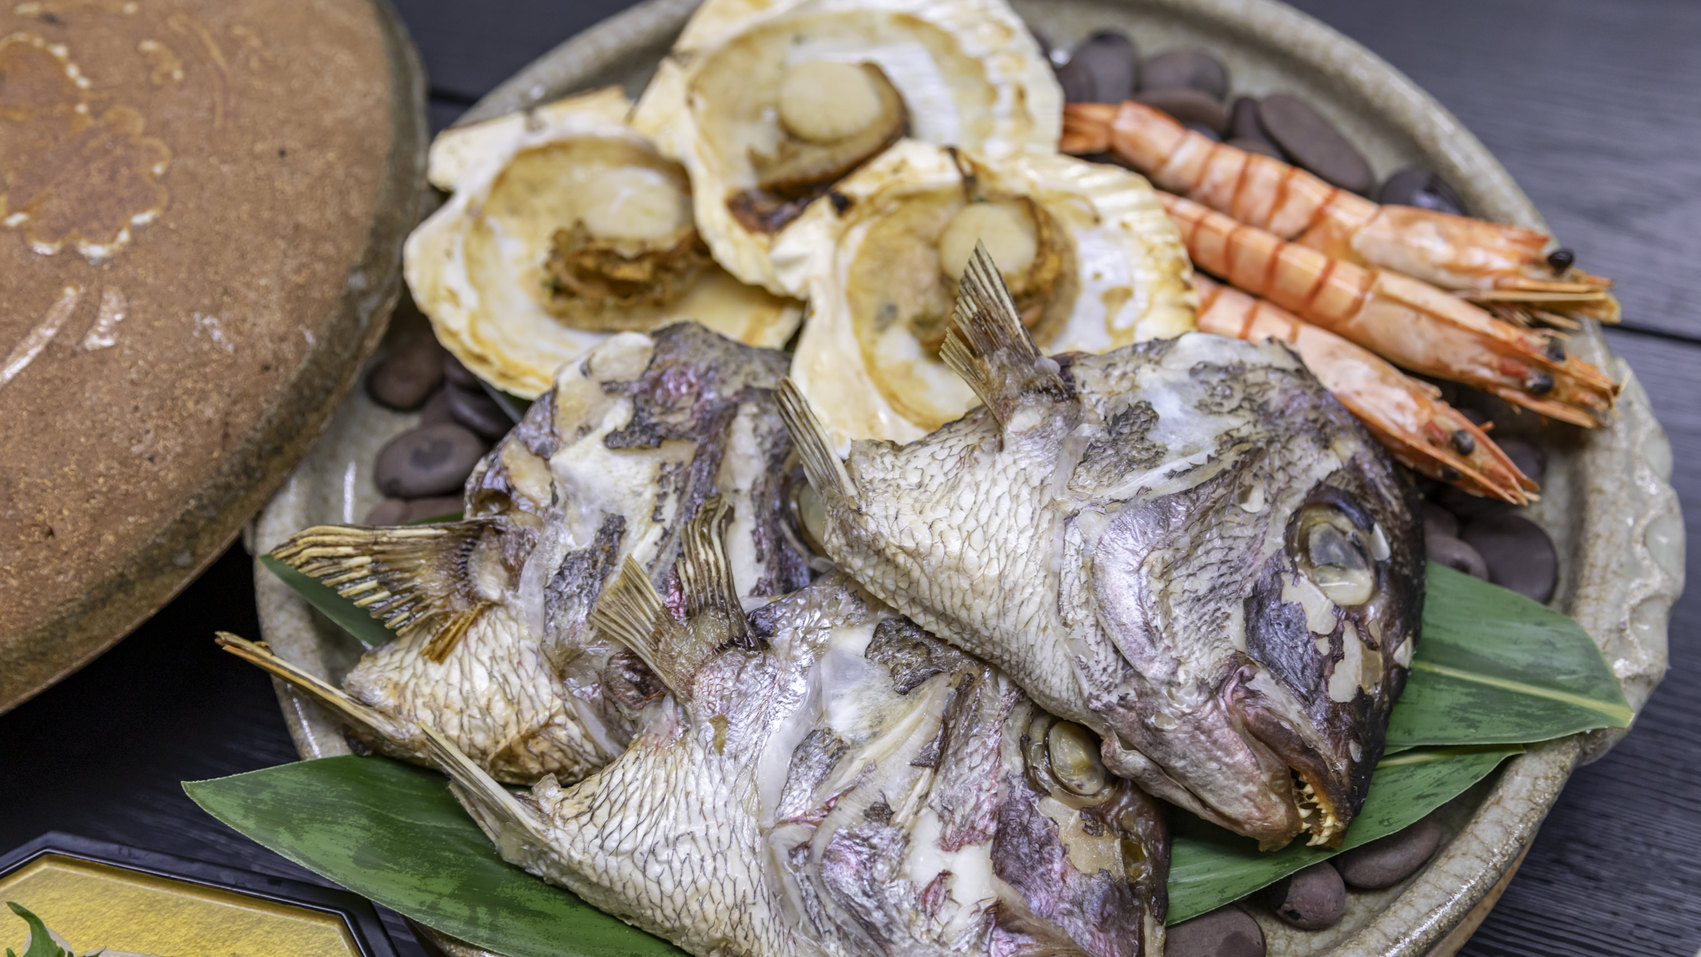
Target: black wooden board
1592, 106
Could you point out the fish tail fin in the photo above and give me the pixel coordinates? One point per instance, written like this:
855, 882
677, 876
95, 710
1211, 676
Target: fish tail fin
320, 690
705, 576
825, 470
507, 820
412, 578
632, 613
989, 346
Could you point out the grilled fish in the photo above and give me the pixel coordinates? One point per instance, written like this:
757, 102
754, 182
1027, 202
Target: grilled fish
826, 778
492, 648
1187, 545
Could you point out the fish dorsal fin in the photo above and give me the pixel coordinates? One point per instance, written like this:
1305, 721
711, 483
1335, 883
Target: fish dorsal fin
631, 612
989, 347
413, 578
826, 472
705, 576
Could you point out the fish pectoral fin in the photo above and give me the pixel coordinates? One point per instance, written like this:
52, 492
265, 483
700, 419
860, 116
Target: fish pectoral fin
632, 613
508, 821
989, 346
412, 578
826, 472
327, 694
705, 576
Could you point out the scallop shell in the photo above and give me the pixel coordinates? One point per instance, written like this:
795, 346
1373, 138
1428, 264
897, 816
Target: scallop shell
969, 72
1126, 278
476, 266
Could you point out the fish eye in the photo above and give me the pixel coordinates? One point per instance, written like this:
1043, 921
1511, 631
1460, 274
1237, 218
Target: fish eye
1075, 759
1063, 755
1334, 554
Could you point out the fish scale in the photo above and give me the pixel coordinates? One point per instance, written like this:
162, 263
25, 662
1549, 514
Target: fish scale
1130, 570
492, 648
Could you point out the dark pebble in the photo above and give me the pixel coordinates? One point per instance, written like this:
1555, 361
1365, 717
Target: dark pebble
1530, 458
1243, 120
436, 506
457, 374
1387, 861
1415, 186
1311, 899
1455, 553
1314, 143
1105, 68
1188, 106
1224, 932
1519, 554
1077, 83
1256, 146
404, 378
1185, 70
478, 411
1468, 506
429, 460
1437, 519
436, 409
391, 511
1205, 131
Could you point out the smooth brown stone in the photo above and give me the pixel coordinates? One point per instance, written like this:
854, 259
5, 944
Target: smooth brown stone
1188, 106
1188, 69
199, 248
390, 511
456, 374
1312, 899
429, 460
436, 409
1519, 553
1389, 860
1313, 143
1224, 932
477, 411
404, 379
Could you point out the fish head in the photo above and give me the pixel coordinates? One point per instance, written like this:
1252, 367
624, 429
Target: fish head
1262, 589
927, 804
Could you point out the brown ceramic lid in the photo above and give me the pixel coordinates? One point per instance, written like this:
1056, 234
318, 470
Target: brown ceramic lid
202, 205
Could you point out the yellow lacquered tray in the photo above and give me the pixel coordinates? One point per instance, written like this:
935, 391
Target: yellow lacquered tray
97, 895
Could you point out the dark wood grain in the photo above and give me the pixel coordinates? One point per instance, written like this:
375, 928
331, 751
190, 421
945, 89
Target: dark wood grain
1593, 108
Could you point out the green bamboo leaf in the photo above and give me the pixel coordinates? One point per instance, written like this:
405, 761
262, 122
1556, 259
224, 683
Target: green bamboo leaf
348, 616
40, 942
1493, 667
1210, 866
391, 832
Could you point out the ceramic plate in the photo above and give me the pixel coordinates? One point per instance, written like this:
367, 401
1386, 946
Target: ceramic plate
1605, 500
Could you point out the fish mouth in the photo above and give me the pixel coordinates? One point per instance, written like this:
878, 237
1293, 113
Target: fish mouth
1320, 792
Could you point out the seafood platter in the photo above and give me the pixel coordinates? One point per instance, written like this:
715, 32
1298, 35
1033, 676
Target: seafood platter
877, 481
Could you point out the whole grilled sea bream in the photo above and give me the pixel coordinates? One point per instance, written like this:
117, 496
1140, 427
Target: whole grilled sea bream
826, 778
1186, 545
492, 648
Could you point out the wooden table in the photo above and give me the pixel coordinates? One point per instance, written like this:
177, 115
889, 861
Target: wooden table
1592, 106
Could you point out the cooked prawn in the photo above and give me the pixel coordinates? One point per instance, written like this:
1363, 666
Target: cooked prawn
1408, 322
1407, 416
1483, 261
